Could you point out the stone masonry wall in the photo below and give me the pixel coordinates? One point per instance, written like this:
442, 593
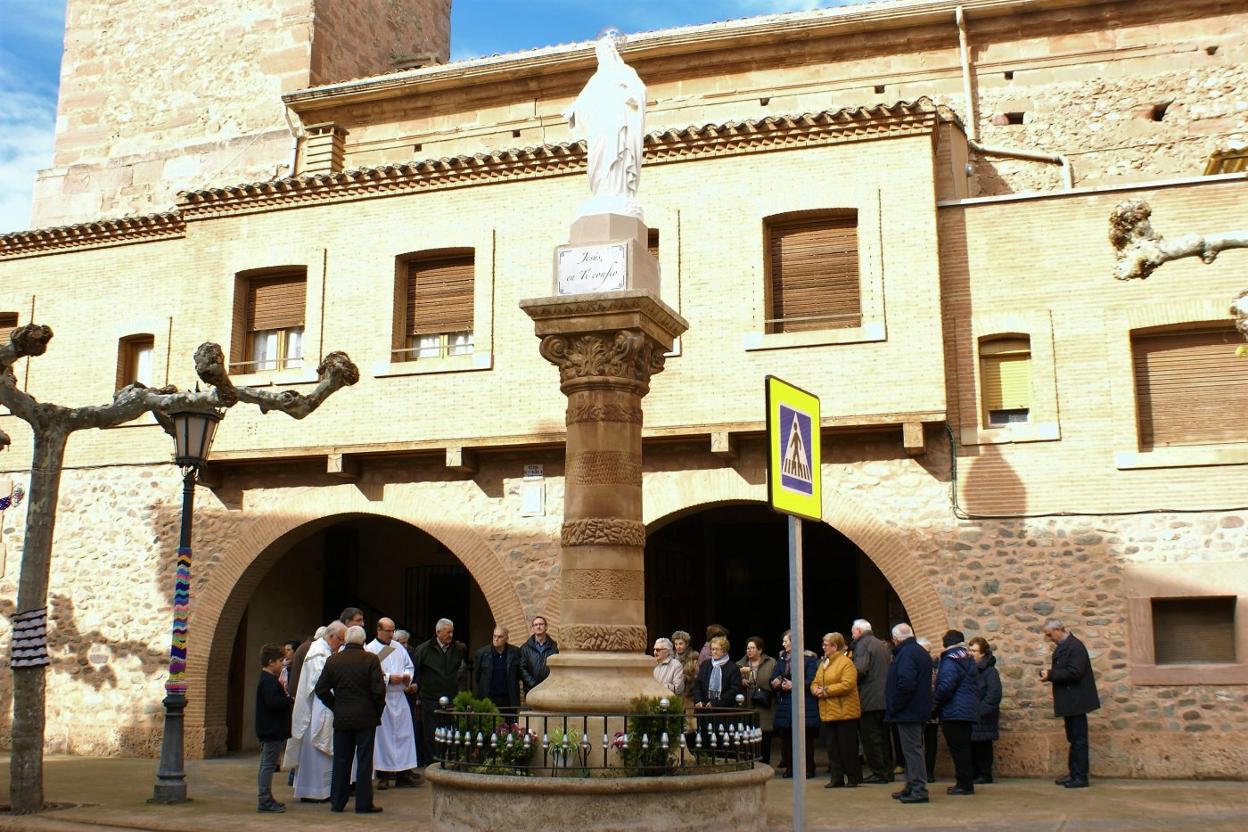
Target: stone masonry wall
997, 578
158, 97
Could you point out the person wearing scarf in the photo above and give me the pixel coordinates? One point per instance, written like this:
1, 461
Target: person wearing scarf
719, 680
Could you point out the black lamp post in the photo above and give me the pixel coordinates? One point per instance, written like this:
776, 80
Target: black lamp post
192, 434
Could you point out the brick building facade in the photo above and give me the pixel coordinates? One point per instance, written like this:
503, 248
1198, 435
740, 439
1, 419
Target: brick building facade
1009, 433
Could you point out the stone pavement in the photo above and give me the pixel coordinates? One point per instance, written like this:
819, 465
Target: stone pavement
111, 794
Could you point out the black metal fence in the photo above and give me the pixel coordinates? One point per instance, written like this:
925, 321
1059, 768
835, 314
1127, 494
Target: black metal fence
598, 745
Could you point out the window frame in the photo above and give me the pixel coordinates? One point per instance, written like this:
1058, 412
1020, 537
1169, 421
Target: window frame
1043, 423
243, 337
127, 354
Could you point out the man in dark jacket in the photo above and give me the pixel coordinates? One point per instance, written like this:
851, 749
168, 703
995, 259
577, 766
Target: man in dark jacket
871, 659
352, 686
535, 652
272, 723
908, 703
496, 672
1074, 697
441, 669
956, 701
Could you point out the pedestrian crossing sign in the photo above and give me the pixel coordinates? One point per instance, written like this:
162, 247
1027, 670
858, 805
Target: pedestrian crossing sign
793, 450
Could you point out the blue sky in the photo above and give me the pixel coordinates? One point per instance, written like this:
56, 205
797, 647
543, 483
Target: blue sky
31, 35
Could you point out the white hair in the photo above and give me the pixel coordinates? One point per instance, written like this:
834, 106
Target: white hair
862, 624
355, 635
320, 632
336, 629
924, 643
902, 631
1054, 624
444, 622
402, 635
665, 643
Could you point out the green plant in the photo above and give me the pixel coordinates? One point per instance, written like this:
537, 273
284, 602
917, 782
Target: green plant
641, 746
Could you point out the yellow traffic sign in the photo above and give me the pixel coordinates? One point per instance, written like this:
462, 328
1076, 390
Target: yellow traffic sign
793, 450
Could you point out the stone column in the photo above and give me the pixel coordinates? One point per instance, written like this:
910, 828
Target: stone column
607, 346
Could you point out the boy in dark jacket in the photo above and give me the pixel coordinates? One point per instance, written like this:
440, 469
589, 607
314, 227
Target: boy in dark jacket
272, 723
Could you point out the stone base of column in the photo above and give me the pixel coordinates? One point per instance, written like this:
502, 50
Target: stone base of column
595, 682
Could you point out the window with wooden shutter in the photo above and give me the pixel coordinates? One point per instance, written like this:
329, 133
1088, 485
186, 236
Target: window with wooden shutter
8, 321
1005, 379
134, 360
812, 273
269, 321
439, 307
1190, 388
652, 243
1194, 630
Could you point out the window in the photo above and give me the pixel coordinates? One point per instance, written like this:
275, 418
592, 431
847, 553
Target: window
134, 360
438, 307
268, 322
652, 242
1194, 630
1005, 379
812, 273
8, 323
1190, 388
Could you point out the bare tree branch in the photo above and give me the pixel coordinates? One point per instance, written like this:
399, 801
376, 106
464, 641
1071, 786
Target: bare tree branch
1141, 250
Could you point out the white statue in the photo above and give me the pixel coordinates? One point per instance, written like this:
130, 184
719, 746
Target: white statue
610, 113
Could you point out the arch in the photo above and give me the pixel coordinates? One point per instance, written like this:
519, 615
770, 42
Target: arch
672, 497
217, 604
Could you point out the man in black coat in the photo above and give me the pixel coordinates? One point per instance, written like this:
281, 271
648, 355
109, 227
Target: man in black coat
535, 652
352, 686
441, 670
1074, 697
496, 673
872, 658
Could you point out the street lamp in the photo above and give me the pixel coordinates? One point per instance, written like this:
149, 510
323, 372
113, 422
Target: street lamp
193, 431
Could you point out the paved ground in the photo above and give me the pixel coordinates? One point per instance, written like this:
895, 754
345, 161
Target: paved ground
111, 795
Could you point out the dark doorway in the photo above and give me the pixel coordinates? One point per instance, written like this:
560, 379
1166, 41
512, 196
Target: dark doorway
729, 565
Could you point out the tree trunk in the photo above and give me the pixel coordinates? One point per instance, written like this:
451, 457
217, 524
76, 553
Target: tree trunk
26, 763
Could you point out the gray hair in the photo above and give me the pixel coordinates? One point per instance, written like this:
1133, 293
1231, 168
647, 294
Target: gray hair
355, 635
444, 622
320, 633
665, 643
682, 635
924, 643
402, 635
862, 624
902, 631
336, 629
1054, 624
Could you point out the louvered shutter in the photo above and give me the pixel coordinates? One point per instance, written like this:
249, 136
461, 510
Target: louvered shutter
1194, 630
1190, 388
814, 274
1005, 374
276, 302
652, 243
439, 295
8, 320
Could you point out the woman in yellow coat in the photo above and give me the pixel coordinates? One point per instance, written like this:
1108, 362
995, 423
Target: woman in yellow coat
836, 687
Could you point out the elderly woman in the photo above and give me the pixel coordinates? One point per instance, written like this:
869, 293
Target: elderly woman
836, 687
984, 732
756, 669
667, 670
719, 680
687, 657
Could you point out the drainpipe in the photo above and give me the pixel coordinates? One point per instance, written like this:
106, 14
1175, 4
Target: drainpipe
1060, 159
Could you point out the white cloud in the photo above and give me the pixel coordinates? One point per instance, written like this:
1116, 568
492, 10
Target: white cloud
27, 126
761, 7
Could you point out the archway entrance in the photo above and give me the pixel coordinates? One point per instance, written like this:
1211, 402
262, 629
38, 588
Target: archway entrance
383, 566
728, 564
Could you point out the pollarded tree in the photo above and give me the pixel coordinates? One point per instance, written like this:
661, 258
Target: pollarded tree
1141, 250
51, 425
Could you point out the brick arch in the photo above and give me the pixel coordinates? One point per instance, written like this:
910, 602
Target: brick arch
670, 497
217, 603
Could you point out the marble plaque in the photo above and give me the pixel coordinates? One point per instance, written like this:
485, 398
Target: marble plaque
600, 268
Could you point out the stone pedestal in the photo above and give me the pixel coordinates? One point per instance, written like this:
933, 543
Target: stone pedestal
607, 346
606, 252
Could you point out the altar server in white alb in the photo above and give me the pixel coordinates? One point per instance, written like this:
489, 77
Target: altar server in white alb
395, 748
310, 750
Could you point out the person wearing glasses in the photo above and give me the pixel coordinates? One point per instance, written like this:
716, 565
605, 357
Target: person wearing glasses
668, 671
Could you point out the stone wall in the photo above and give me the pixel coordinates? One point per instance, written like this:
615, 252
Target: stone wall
158, 97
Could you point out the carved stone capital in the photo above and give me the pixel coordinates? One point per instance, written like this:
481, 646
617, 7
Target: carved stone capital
603, 531
619, 356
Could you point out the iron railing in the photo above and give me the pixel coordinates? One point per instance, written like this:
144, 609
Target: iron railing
710, 740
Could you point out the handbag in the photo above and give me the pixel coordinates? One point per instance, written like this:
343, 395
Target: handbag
761, 697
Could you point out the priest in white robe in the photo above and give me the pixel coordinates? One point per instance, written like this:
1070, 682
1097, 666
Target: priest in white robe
394, 750
310, 750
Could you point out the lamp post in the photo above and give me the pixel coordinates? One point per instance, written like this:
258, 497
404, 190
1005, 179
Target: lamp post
192, 435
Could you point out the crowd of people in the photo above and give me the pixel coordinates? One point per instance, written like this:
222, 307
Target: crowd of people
346, 710
875, 703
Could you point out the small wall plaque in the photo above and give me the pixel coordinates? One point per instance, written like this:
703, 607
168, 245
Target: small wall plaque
584, 269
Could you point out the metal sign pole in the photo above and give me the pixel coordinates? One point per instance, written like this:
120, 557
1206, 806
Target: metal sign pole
797, 668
